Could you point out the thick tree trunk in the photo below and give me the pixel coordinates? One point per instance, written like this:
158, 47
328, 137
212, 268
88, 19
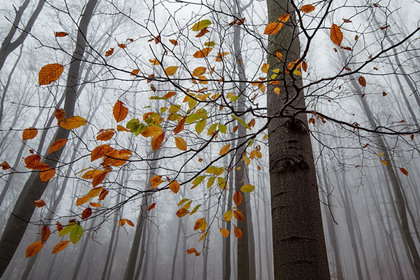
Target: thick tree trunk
34, 188
298, 238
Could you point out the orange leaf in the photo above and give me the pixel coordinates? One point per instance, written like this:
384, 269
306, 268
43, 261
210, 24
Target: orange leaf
126, 222
60, 246
61, 34
86, 213
404, 171
120, 111
151, 206
181, 143
174, 186
173, 42
192, 251
307, 8
29, 133
155, 181
103, 194
122, 46
171, 70
50, 73
45, 233
238, 198
152, 131
362, 81
117, 157
135, 72
72, 122
224, 232
182, 212
95, 204
5, 165
273, 28
46, 175
82, 200
336, 35
202, 53
238, 232
105, 134
238, 215
33, 248
220, 56
122, 128
100, 151
225, 149
57, 145
199, 71
169, 94
39, 203
157, 141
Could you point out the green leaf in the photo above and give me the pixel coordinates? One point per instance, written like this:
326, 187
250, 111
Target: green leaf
215, 170
135, 126
197, 181
201, 25
195, 209
76, 234
222, 128
239, 120
210, 44
212, 129
66, 230
247, 188
199, 127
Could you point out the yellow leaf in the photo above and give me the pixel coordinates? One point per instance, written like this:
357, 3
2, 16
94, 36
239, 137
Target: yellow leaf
72, 122
181, 143
265, 67
247, 188
201, 25
228, 216
50, 73
171, 70
60, 246
384, 162
225, 149
336, 35
29, 133
33, 248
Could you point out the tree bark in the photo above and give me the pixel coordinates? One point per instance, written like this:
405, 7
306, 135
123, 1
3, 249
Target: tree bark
34, 188
298, 238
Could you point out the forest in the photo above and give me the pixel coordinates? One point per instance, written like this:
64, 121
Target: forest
209, 139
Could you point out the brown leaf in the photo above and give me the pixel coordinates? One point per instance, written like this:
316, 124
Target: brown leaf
5, 165
174, 186
29, 133
50, 73
61, 34
307, 8
238, 198
362, 81
105, 134
202, 53
157, 141
120, 111
45, 233
151, 206
404, 171
109, 52
238, 232
336, 35
39, 203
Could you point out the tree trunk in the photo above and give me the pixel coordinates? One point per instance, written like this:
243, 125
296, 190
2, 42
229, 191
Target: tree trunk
34, 188
298, 238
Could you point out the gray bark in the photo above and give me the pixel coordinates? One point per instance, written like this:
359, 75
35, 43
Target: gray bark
298, 238
34, 188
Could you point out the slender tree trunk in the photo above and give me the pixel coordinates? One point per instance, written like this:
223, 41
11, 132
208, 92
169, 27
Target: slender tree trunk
298, 238
34, 188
